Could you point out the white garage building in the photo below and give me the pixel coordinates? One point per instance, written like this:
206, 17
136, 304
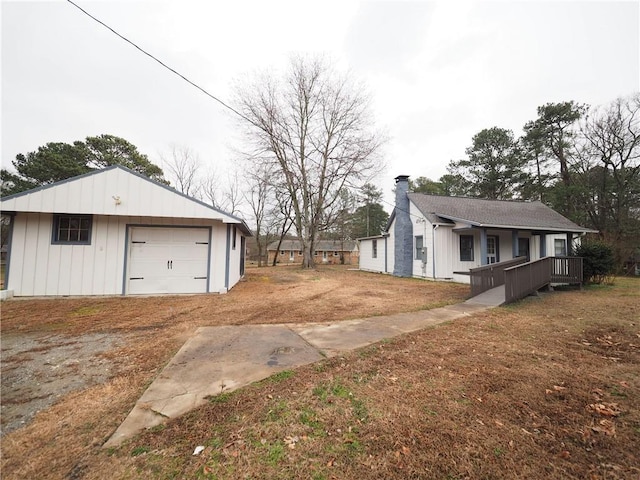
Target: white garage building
114, 231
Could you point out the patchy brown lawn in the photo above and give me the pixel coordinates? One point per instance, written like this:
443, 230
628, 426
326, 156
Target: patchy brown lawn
546, 388
81, 363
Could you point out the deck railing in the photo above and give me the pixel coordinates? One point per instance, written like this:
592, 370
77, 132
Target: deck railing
489, 276
526, 278
567, 270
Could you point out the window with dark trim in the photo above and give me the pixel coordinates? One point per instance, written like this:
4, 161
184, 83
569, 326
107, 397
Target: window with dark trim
419, 245
560, 247
374, 248
466, 248
233, 241
72, 229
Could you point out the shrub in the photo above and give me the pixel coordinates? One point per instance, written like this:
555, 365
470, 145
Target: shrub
599, 261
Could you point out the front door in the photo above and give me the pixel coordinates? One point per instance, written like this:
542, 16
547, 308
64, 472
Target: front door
523, 248
492, 250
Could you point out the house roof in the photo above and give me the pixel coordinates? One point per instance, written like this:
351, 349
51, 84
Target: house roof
115, 190
320, 246
493, 213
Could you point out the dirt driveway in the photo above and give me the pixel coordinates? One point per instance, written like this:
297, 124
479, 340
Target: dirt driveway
73, 368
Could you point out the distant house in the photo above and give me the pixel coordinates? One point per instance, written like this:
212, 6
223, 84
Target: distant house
326, 251
114, 231
442, 237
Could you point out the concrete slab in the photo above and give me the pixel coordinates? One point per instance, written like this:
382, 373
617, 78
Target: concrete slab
221, 359
213, 361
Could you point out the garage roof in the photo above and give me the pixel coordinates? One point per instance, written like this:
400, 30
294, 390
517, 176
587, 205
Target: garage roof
115, 190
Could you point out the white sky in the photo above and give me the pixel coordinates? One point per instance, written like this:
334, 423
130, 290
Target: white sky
439, 72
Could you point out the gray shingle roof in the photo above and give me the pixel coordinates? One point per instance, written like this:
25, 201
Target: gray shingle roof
321, 245
493, 213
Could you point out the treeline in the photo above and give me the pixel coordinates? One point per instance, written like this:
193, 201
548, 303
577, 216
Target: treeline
582, 161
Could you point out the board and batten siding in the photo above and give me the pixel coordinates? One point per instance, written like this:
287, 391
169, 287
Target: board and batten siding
113, 191
40, 268
234, 255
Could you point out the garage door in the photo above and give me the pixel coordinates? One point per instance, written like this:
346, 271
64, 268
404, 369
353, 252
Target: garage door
168, 260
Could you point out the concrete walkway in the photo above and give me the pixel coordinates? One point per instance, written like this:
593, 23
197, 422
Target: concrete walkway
222, 359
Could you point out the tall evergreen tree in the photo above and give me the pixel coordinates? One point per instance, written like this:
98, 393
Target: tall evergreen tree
57, 161
494, 167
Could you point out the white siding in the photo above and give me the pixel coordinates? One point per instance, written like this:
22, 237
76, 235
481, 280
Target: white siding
367, 262
39, 268
96, 194
424, 228
391, 248
444, 254
234, 256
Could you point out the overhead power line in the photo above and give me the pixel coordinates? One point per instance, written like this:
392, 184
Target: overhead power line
164, 64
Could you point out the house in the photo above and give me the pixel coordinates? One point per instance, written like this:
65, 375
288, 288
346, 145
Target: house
443, 238
326, 251
114, 231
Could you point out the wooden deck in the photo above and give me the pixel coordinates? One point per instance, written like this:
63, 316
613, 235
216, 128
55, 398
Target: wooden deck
521, 278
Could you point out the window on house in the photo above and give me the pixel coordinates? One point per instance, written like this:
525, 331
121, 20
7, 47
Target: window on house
324, 255
291, 255
335, 254
466, 248
419, 246
299, 253
281, 252
374, 248
72, 229
233, 239
315, 254
560, 247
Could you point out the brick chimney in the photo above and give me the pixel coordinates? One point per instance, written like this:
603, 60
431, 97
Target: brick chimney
403, 230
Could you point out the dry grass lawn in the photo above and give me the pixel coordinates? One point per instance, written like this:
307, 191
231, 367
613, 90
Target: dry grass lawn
548, 387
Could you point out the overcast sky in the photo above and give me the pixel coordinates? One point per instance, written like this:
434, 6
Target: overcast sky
439, 72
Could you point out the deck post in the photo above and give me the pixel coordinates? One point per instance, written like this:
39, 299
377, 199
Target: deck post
569, 244
514, 243
543, 245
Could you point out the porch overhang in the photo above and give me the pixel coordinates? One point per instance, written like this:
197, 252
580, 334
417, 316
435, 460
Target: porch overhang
470, 225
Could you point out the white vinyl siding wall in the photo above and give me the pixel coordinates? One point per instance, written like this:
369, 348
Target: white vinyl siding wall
39, 268
426, 230
234, 260
367, 262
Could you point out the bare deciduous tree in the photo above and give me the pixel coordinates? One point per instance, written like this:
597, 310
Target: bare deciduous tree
314, 131
182, 166
610, 174
259, 197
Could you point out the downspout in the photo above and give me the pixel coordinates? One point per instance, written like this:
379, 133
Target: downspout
433, 249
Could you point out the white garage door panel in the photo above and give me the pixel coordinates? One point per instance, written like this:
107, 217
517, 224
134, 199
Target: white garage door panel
168, 260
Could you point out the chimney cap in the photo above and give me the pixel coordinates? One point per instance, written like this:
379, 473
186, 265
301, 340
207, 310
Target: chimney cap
402, 178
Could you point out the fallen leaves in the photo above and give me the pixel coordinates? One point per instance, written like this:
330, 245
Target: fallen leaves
290, 441
556, 388
605, 426
606, 409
